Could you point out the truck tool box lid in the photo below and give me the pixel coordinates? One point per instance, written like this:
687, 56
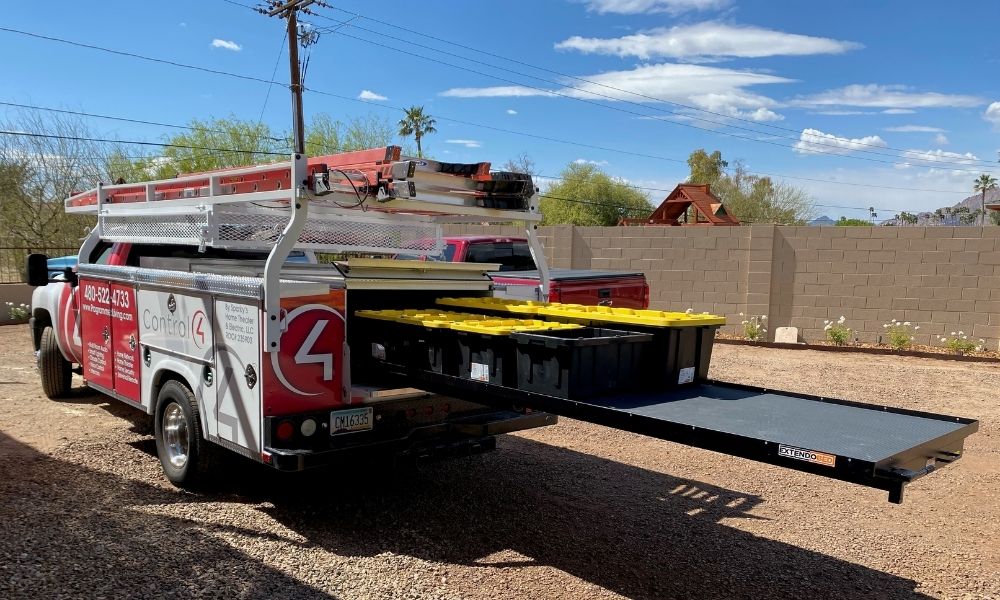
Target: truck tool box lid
463, 321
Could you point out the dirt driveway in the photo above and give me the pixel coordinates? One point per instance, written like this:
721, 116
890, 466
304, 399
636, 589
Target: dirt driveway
571, 511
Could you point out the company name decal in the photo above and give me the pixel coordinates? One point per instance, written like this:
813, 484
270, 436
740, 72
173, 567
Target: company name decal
820, 458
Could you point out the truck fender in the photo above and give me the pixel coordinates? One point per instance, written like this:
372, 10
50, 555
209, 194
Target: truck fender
52, 305
166, 368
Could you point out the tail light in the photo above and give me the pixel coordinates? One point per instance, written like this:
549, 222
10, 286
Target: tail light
554, 293
285, 431
645, 295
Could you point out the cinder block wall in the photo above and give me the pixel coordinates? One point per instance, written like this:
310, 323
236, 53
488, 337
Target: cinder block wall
943, 278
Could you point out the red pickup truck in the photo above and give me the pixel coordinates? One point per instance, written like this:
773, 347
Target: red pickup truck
517, 272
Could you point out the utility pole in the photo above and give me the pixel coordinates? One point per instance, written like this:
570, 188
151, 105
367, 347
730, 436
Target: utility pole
289, 12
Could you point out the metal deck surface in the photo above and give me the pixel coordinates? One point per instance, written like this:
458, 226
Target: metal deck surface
868, 434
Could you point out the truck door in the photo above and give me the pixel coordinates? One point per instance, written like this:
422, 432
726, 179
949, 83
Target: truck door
237, 359
95, 328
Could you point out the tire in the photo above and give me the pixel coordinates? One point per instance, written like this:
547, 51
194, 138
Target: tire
55, 370
185, 455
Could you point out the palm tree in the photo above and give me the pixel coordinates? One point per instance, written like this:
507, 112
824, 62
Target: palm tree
417, 124
984, 184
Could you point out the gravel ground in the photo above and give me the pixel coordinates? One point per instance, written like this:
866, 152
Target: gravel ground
571, 511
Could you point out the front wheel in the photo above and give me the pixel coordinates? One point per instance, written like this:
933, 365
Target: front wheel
55, 370
184, 454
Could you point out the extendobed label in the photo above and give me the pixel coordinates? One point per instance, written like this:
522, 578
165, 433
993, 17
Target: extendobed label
820, 458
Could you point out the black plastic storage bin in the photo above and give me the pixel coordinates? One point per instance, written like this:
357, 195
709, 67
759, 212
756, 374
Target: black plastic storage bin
487, 358
580, 363
677, 356
408, 345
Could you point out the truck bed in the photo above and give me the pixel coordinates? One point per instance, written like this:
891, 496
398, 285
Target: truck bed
874, 446
567, 274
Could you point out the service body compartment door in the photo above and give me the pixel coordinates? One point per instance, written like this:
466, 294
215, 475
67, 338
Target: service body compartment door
177, 323
311, 370
237, 358
125, 342
95, 317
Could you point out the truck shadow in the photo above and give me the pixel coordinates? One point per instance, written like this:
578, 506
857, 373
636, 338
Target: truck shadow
640, 533
70, 531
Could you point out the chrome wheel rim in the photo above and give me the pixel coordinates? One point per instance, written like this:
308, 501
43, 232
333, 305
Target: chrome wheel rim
175, 435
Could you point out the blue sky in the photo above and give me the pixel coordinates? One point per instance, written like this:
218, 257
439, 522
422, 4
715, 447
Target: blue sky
800, 89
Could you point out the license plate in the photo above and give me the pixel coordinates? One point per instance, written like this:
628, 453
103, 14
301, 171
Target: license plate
351, 420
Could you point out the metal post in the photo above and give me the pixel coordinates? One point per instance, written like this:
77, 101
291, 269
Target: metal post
538, 252
279, 254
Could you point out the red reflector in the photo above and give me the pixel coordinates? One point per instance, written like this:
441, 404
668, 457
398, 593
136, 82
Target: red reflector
446, 408
285, 430
410, 413
429, 410
266, 457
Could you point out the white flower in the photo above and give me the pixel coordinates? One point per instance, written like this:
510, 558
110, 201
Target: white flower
763, 317
741, 314
916, 328
912, 338
907, 323
944, 339
961, 333
952, 333
886, 326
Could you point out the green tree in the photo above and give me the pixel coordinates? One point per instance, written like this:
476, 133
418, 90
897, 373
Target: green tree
325, 135
983, 184
218, 143
908, 218
586, 195
750, 198
417, 124
845, 222
705, 167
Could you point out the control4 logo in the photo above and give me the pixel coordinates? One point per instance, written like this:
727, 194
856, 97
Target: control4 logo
310, 344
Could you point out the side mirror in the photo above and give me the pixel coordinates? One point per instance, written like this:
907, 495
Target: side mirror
36, 270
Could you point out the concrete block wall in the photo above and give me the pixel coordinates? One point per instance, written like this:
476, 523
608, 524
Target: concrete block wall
943, 278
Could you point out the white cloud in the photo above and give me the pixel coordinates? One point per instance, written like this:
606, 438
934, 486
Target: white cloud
915, 129
842, 113
709, 40
499, 91
370, 95
182, 24
466, 143
226, 45
992, 114
710, 88
893, 97
937, 156
941, 139
673, 7
898, 111
814, 141
584, 161
511, 111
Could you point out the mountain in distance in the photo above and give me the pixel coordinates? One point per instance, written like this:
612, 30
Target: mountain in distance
951, 215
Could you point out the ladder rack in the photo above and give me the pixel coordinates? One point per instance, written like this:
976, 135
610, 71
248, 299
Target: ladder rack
374, 201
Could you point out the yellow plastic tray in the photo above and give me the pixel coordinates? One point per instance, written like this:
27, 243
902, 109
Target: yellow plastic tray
508, 326
428, 318
628, 316
524, 307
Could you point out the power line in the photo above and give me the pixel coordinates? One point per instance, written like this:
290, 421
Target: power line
610, 87
459, 121
930, 162
133, 142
